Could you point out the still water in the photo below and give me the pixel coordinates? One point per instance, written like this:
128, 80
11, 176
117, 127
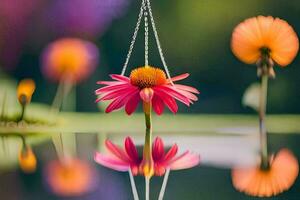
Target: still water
209, 181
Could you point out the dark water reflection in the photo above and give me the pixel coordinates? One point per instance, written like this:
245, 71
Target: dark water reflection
204, 182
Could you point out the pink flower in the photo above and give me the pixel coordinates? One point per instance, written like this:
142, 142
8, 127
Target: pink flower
148, 84
128, 158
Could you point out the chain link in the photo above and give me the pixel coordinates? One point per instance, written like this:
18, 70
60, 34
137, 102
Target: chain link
136, 30
158, 41
143, 11
146, 36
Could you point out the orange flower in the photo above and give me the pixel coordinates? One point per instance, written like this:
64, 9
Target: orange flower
69, 58
25, 91
279, 177
73, 178
27, 160
265, 35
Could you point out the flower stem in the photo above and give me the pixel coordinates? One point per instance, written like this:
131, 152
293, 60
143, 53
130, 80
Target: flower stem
148, 135
64, 87
147, 163
133, 187
262, 125
22, 112
24, 142
164, 185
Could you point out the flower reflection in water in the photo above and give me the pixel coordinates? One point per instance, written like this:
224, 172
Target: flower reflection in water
71, 178
279, 177
27, 160
124, 159
160, 162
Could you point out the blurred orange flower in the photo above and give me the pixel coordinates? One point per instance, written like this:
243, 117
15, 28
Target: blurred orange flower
25, 91
279, 177
258, 35
73, 178
69, 58
27, 160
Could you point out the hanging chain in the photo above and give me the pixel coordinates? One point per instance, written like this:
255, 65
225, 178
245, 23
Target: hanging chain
143, 11
146, 36
158, 42
136, 30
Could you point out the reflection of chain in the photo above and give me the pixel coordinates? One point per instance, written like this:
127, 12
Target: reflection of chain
137, 27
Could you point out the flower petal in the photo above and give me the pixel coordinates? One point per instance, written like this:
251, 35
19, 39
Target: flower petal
158, 151
158, 105
189, 95
184, 161
110, 162
180, 77
168, 100
121, 78
159, 169
171, 153
109, 82
187, 88
132, 103
285, 44
172, 91
117, 151
131, 150
116, 104
120, 101
112, 87
116, 93
111, 95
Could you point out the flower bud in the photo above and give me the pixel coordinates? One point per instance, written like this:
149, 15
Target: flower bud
25, 91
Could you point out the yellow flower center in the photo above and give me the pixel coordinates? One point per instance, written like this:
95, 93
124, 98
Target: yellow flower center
147, 77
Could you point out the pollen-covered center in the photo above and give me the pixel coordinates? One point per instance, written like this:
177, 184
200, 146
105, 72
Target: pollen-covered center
147, 77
